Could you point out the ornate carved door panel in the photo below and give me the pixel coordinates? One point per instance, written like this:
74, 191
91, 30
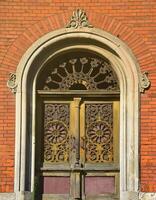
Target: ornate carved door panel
78, 149
99, 149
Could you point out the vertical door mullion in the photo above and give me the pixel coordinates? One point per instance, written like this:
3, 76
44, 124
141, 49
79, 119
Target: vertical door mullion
77, 129
82, 148
116, 131
76, 165
82, 134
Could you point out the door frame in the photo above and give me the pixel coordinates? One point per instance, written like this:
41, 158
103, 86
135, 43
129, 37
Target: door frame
128, 72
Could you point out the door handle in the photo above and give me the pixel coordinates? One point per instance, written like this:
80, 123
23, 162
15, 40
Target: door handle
72, 142
83, 143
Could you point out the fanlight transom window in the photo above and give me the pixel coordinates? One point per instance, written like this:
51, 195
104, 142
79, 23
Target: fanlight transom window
78, 71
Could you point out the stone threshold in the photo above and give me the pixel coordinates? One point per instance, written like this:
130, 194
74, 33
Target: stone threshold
142, 196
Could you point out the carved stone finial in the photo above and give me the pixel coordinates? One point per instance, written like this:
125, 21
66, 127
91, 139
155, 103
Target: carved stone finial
79, 19
11, 83
144, 82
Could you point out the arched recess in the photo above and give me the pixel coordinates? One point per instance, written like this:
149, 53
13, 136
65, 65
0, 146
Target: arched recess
128, 73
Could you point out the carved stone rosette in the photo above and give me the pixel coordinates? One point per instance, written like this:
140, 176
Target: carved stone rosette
79, 19
11, 83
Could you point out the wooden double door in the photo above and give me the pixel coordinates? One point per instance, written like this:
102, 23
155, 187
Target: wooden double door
77, 149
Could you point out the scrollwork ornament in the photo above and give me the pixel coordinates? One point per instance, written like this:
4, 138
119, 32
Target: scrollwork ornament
146, 195
56, 134
99, 133
12, 83
79, 19
144, 82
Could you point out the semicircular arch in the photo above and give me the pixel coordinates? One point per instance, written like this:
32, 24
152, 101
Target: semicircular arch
127, 69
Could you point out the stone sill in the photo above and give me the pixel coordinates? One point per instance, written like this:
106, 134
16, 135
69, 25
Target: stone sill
12, 196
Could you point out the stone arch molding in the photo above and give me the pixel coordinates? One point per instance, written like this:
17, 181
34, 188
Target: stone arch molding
131, 81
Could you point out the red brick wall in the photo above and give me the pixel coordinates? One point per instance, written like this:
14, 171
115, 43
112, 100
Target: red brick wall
24, 21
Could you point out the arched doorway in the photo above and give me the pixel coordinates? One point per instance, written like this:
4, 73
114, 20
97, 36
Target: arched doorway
31, 71
77, 131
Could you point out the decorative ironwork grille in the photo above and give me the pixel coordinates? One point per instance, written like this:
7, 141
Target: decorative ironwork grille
79, 71
56, 134
99, 132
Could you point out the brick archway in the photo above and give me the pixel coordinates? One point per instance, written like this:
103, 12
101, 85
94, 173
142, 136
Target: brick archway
56, 21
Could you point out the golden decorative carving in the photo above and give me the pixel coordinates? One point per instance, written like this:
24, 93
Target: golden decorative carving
56, 136
99, 134
89, 73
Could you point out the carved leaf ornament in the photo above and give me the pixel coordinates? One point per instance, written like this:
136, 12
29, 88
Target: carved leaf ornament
144, 82
79, 19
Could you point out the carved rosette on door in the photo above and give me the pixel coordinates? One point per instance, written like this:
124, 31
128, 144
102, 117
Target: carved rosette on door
56, 133
99, 133
77, 131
